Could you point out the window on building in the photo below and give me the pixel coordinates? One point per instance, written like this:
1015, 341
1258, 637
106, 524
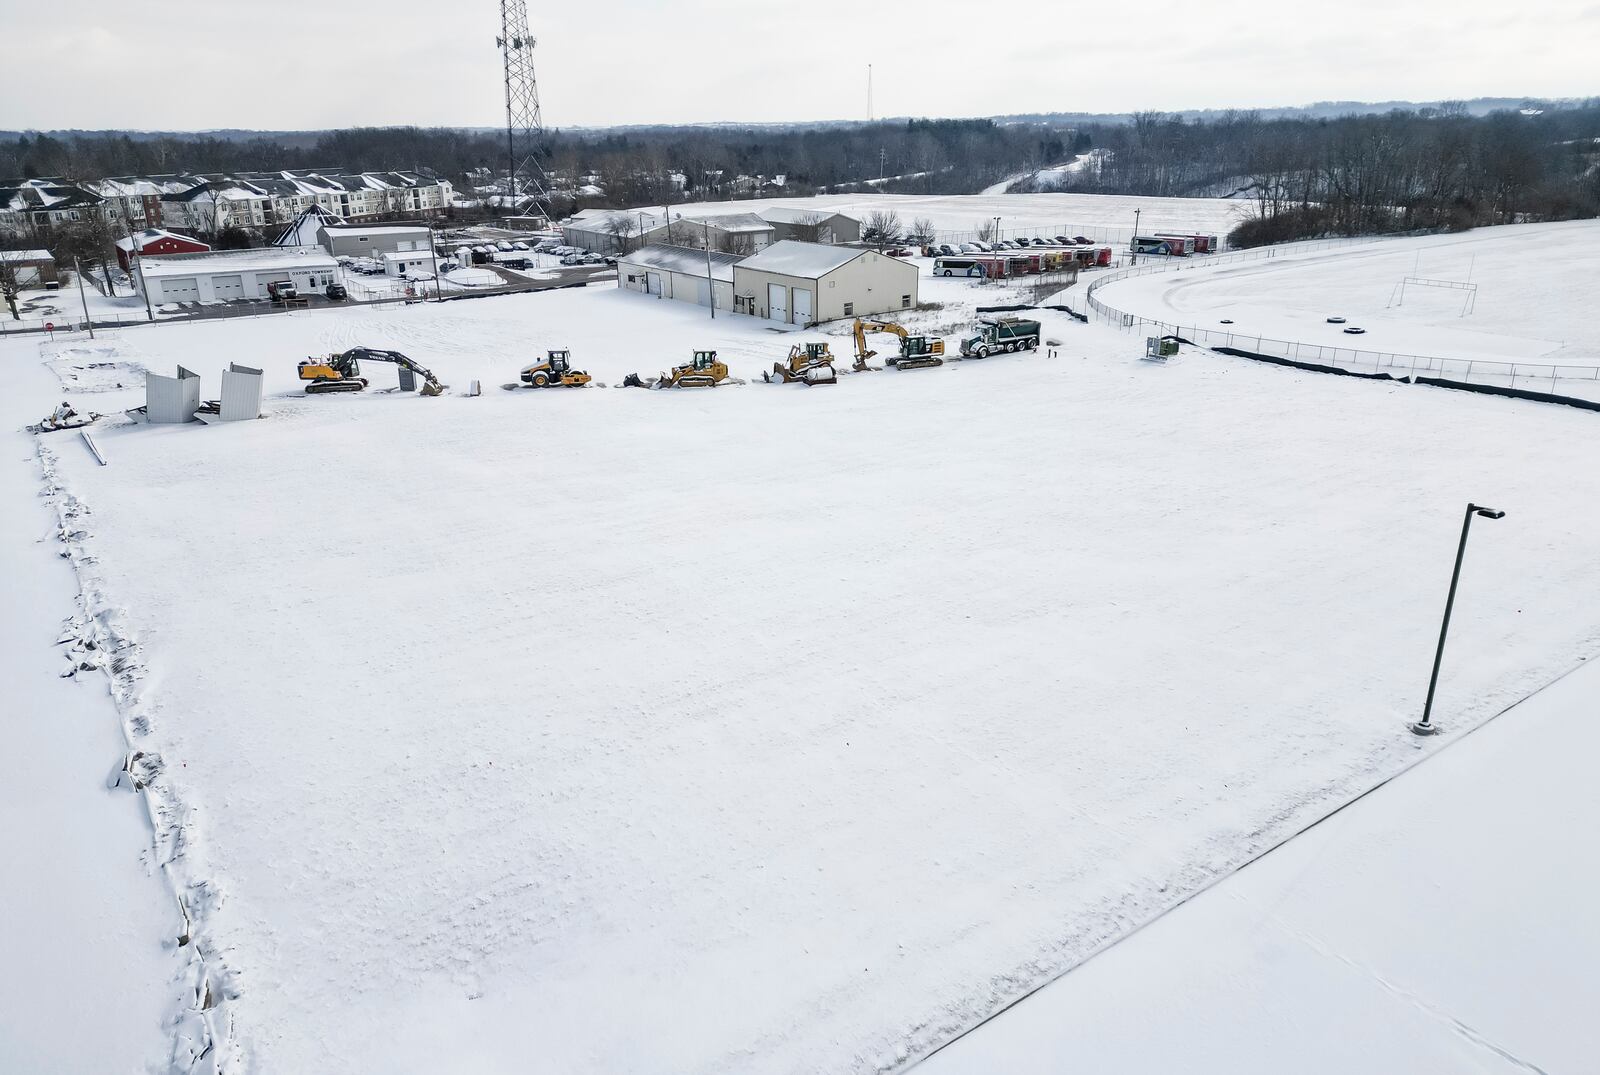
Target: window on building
905, 302
849, 309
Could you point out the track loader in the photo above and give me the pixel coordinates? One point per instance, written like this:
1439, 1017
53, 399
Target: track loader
916, 352
810, 363
704, 371
554, 372
342, 372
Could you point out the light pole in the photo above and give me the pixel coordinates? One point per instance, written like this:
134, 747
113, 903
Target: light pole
1425, 725
138, 264
996, 231
1133, 243
88, 323
711, 284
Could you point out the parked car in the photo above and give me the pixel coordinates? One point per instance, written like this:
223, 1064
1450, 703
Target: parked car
1084, 239
968, 248
592, 259
336, 292
571, 259
548, 246
503, 246
944, 250
564, 250
898, 252
520, 246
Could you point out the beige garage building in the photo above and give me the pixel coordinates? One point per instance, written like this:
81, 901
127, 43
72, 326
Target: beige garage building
804, 283
675, 272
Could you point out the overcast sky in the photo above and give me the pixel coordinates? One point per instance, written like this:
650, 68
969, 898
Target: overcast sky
298, 64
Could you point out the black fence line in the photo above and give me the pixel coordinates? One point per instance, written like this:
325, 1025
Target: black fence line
1436, 382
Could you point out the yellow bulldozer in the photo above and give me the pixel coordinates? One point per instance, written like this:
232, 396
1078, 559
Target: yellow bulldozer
703, 371
916, 352
554, 372
810, 363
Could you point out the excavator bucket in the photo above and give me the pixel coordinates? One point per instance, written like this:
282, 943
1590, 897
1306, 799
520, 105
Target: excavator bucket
431, 388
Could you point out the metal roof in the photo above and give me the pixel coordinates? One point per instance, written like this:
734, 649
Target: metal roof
791, 257
229, 261
681, 259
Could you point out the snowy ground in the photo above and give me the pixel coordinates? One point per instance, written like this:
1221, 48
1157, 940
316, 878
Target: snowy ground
1535, 300
770, 729
1441, 925
1103, 217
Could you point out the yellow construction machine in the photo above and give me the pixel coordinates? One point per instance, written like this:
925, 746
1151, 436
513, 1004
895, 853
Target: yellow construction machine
810, 363
916, 352
342, 372
554, 372
704, 371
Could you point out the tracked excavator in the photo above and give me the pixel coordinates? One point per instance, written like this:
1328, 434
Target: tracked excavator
554, 372
916, 352
810, 363
342, 372
704, 371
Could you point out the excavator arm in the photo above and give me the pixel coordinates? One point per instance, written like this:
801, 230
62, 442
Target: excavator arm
863, 352
350, 360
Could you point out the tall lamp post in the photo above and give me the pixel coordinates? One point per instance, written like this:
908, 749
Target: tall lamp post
1425, 726
1133, 244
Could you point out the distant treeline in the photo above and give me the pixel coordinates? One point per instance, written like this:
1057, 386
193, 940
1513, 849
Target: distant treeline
633, 167
1428, 169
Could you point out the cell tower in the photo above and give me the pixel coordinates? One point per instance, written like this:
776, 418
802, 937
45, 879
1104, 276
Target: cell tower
524, 126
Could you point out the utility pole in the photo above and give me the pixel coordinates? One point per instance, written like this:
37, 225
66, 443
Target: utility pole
433, 252
78, 270
711, 283
138, 264
1133, 243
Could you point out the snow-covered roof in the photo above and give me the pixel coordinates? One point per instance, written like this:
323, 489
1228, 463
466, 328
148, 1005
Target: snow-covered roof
267, 258
791, 257
734, 223
785, 215
25, 255
681, 259
407, 255
377, 229
150, 235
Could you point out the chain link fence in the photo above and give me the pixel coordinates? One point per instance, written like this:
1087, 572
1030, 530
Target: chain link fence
1540, 376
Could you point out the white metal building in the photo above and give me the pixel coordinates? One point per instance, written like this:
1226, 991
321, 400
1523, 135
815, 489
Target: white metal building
674, 272
803, 283
231, 275
370, 240
408, 263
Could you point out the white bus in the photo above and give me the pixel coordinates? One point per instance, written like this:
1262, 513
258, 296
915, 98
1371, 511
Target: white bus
958, 267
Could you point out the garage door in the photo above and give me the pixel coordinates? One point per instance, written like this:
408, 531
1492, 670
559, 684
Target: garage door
702, 292
180, 289
227, 287
802, 307
778, 302
654, 283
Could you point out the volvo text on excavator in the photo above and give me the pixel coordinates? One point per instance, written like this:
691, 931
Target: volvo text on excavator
342, 372
810, 363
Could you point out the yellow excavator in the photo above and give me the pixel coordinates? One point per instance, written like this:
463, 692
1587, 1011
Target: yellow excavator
342, 372
810, 363
704, 371
554, 372
916, 352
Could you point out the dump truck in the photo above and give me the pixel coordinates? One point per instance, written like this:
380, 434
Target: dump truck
1001, 334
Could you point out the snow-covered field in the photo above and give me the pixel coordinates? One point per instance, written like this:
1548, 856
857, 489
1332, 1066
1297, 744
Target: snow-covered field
1400, 935
1536, 299
772, 729
1107, 217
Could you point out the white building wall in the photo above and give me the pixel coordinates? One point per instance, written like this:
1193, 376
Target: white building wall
871, 284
